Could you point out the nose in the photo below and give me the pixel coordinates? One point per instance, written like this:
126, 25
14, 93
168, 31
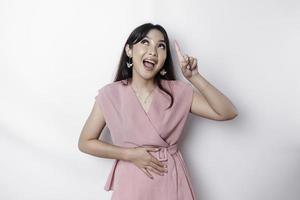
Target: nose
153, 51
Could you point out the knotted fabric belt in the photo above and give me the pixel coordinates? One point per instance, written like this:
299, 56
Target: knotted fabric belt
168, 154
162, 153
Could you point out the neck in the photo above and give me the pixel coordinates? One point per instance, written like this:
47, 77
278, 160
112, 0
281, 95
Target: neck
142, 84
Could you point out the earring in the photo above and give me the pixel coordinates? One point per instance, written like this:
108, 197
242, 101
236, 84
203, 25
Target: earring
130, 63
163, 72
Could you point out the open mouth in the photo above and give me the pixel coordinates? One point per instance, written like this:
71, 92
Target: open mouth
149, 64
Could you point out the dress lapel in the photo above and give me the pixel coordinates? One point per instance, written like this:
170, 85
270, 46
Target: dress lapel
137, 101
151, 113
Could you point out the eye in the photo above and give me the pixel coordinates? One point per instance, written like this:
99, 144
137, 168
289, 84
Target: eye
144, 41
163, 46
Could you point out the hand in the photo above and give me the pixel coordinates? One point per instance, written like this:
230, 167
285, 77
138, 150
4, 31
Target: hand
145, 161
187, 63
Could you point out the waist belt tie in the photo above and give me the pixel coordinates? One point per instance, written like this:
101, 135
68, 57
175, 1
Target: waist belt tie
167, 154
162, 153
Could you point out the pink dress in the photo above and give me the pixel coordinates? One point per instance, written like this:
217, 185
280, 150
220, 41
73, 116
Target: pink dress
131, 126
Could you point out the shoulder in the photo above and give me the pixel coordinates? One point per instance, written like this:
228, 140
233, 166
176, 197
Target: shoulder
180, 89
111, 87
183, 93
179, 85
110, 93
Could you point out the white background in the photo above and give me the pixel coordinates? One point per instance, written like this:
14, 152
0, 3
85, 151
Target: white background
55, 55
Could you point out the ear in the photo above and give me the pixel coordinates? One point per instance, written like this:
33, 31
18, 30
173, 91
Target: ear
128, 51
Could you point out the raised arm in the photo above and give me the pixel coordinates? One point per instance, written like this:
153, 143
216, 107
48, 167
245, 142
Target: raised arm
208, 101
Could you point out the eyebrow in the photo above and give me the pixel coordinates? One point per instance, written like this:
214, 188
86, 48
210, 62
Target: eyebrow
159, 40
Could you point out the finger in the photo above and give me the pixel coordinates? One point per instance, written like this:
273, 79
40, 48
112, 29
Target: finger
194, 64
191, 60
186, 64
155, 171
186, 58
178, 52
157, 162
147, 173
159, 168
152, 149
185, 61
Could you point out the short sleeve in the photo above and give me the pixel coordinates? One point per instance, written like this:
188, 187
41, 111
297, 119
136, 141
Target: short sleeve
102, 100
99, 97
185, 92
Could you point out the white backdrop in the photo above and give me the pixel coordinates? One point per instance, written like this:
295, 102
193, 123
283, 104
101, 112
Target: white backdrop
55, 55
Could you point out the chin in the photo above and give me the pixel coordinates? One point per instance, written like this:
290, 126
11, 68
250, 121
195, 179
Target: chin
147, 75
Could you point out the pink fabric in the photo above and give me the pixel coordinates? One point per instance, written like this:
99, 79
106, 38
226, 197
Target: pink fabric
131, 126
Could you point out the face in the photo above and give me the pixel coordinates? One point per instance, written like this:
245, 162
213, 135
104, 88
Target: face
148, 55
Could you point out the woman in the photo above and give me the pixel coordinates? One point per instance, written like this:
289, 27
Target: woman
145, 109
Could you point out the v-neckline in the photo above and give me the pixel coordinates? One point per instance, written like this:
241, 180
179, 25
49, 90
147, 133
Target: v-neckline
139, 102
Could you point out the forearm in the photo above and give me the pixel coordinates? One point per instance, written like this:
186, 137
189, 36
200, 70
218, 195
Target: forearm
102, 149
219, 102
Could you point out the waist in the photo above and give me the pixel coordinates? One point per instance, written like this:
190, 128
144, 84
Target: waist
162, 153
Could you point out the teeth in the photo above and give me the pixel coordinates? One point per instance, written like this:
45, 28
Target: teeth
150, 61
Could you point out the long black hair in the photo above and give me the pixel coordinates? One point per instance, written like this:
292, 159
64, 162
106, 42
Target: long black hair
125, 73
